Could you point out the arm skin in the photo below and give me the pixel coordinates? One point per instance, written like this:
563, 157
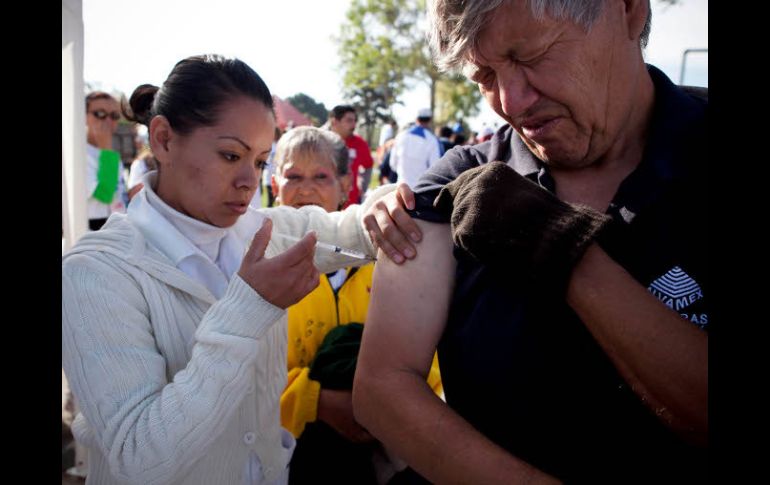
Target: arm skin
335, 408
662, 356
391, 397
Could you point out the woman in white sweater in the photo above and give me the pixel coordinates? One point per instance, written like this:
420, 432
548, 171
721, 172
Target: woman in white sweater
173, 314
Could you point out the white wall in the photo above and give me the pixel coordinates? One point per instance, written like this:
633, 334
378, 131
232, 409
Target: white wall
73, 147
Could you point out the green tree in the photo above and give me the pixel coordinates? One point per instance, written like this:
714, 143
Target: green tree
372, 59
383, 51
419, 63
308, 106
451, 96
455, 98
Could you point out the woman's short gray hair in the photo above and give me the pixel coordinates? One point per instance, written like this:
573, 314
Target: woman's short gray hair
454, 25
312, 142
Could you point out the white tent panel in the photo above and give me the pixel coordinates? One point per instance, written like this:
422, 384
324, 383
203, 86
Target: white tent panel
73, 139
73, 150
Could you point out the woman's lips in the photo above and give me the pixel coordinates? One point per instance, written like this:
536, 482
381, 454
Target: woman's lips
238, 207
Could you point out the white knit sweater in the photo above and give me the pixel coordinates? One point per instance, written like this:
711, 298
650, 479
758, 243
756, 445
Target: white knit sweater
173, 385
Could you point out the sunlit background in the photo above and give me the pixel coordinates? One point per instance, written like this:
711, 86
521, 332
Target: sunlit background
293, 45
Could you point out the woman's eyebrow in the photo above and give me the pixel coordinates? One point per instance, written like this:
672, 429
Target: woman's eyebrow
230, 137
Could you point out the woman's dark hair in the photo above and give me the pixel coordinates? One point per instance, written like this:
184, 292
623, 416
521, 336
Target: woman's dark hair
194, 91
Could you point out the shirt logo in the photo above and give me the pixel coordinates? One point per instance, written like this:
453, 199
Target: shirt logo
678, 290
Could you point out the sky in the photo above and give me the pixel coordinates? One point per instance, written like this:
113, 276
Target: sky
290, 44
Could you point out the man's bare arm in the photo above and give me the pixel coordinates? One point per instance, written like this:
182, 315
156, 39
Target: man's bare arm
662, 356
391, 398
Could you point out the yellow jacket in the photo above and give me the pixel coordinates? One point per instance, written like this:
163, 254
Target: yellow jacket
309, 322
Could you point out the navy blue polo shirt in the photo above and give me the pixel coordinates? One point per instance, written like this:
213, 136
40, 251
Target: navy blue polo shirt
523, 369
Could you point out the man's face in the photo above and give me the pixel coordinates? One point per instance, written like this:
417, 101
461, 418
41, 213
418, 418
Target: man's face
566, 92
345, 125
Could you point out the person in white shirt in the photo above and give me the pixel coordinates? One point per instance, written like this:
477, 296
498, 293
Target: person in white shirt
174, 313
143, 163
103, 165
267, 174
415, 150
387, 132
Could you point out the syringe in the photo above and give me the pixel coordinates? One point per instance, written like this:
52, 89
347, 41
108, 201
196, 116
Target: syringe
330, 247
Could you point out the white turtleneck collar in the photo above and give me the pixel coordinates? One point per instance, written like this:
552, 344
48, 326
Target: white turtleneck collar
204, 236
208, 254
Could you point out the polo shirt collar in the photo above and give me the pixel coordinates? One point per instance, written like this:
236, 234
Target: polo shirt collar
507, 145
676, 124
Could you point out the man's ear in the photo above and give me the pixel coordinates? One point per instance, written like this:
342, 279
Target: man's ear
636, 12
160, 135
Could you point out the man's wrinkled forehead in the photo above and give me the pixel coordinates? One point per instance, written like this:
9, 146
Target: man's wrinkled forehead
484, 49
476, 57
500, 27
507, 32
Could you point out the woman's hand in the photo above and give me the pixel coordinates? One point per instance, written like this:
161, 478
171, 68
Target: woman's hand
335, 408
285, 279
390, 227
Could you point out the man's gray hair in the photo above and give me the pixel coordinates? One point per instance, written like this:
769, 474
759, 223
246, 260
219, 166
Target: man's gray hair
312, 142
454, 25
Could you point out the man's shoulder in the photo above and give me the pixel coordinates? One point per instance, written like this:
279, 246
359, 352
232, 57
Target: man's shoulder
680, 104
697, 92
454, 162
420, 132
357, 140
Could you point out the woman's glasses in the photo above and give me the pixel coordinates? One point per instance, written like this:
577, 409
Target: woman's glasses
100, 114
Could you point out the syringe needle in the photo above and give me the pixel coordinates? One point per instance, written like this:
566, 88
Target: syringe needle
330, 247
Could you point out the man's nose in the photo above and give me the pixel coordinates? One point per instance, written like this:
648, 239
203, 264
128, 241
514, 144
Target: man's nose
515, 92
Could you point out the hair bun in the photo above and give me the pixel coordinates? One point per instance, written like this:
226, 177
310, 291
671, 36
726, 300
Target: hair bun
139, 108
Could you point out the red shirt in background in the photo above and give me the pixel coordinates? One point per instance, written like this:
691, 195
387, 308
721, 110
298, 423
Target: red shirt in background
360, 156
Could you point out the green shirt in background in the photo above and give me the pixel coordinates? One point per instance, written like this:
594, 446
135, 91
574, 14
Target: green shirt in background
107, 176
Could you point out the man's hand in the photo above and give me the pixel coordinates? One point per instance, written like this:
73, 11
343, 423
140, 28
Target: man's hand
500, 217
388, 224
100, 131
335, 408
285, 279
